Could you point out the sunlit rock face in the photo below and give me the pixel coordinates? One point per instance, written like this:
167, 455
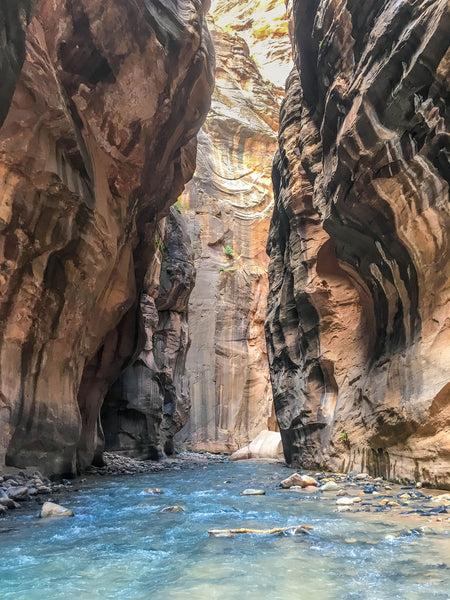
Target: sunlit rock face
98, 142
358, 320
228, 206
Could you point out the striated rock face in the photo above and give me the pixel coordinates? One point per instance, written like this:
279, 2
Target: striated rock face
150, 402
358, 320
228, 206
98, 142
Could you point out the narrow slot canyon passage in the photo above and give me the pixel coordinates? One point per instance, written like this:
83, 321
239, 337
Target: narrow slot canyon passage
224, 299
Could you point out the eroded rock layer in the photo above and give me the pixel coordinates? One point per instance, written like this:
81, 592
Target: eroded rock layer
358, 320
98, 142
149, 403
228, 206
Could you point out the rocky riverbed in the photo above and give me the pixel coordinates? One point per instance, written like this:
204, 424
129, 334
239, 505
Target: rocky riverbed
353, 492
19, 488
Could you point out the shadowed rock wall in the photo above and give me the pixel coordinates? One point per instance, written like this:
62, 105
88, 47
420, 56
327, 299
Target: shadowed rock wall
358, 319
98, 142
150, 401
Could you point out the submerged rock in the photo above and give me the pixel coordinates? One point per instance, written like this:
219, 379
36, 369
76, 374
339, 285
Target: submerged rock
170, 509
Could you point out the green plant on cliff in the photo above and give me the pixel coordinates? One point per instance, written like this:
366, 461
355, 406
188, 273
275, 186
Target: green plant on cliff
229, 251
159, 244
179, 206
227, 269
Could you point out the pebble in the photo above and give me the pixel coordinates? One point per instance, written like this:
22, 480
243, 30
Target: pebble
442, 500
348, 500
386, 502
361, 476
253, 492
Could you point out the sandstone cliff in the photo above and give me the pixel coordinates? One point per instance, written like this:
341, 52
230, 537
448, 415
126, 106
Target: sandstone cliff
149, 403
228, 206
358, 320
98, 142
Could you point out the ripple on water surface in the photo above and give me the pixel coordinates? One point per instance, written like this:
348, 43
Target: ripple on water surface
119, 546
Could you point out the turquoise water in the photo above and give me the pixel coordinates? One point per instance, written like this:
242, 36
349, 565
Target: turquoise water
118, 546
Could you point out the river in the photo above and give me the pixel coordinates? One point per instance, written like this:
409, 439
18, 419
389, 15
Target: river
118, 546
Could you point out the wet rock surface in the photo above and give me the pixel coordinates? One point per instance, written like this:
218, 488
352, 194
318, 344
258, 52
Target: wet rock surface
22, 488
359, 492
358, 322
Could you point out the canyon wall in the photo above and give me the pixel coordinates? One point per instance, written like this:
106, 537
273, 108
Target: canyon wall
228, 206
98, 140
358, 319
149, 403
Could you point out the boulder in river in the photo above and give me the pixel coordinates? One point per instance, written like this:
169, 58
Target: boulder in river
266, 445
298, 480
253, 492
50, 509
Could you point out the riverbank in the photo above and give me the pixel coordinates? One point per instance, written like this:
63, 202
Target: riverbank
22, 488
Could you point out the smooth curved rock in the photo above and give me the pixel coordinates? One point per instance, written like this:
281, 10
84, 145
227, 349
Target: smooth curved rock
267, 445
298, 480
50, 509
358, 322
